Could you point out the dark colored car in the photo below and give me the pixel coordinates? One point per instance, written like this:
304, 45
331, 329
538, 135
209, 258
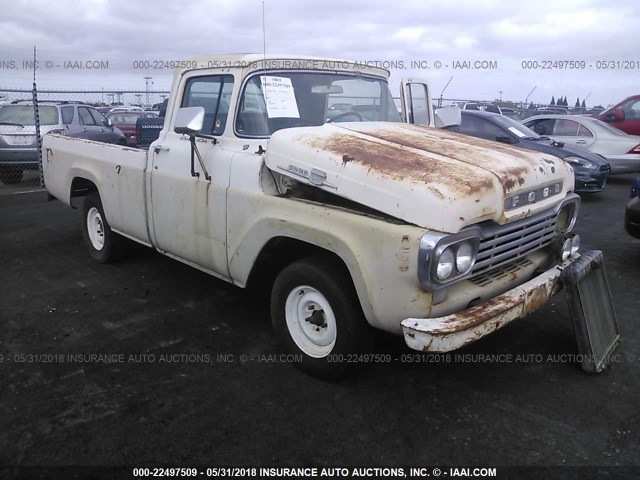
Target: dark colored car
148, 128
591, 170
126, 121
18, 145
632, 214
624, 116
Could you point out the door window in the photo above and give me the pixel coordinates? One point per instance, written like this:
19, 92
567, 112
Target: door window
566, 128
67, 115
85, 116
212, 93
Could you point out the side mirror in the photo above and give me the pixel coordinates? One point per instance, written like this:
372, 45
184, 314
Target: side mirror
189, 121
108, 123
448, 117
618, 114
504, 139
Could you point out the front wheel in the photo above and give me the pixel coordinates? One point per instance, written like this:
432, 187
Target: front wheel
102, 243
317, 317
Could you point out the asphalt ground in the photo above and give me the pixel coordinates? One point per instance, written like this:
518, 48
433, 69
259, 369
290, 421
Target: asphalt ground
151, 362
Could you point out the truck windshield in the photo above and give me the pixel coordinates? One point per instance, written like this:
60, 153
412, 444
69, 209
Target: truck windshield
271, 102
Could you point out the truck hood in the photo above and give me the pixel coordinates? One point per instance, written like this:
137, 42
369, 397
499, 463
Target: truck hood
426, 176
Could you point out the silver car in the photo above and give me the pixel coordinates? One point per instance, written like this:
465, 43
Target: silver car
18, 146
621, 150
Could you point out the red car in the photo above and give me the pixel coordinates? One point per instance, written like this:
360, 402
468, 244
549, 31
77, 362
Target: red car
126, 121
624, 116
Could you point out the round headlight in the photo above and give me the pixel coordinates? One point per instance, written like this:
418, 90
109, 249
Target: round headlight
566, 249
464, 257
575, 244
445, 264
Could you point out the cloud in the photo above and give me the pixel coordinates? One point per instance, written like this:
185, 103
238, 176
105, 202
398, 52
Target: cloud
124, 31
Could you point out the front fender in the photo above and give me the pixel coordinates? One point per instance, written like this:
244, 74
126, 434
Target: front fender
381, 256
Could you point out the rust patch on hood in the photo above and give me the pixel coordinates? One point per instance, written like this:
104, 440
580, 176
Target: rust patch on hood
456, 146
394, 160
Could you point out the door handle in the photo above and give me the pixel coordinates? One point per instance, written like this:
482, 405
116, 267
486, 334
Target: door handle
85, 130
160, 148
581, 142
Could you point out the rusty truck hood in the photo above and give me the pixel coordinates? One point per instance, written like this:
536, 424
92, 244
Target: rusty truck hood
426, 176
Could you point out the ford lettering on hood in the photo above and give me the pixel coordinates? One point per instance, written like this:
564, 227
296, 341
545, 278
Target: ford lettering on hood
422, 175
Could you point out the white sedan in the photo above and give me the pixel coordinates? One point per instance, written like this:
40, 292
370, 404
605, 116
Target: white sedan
621, 150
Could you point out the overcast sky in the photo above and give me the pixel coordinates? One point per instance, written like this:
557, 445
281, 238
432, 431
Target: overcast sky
507, 32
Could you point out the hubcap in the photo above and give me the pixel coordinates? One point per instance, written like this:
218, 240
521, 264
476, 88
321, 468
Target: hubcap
95, 228
311, 321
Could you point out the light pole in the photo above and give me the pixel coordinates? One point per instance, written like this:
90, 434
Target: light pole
148, 83
500, 95
527, 99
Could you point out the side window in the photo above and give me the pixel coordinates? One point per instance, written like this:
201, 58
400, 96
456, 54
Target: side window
67, 115
584, 131
85, 116
213, 93
493, 131
542, 127
98, 117
566, 128
631, 109
472, 126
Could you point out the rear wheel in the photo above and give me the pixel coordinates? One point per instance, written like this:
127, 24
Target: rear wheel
317, 317
11, 177
102, 243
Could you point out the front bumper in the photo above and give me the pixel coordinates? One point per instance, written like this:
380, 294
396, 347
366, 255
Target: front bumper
589, 181
19, 158
451, 332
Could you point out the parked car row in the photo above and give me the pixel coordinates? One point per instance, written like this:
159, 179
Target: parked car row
591, 170
620, 149
18, 143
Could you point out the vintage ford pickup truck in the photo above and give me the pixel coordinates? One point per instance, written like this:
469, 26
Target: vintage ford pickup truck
301, 175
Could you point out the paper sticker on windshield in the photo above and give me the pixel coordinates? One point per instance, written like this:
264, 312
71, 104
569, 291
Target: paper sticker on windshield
517, 132
279, 97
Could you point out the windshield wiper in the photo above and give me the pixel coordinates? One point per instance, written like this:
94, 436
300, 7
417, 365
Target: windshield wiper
12, 123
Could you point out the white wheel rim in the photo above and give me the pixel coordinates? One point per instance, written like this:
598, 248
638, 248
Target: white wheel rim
311, 321
95, 227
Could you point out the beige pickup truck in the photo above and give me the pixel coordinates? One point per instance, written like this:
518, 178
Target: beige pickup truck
302, 174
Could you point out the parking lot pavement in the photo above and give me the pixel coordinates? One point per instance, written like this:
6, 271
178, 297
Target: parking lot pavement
149, 361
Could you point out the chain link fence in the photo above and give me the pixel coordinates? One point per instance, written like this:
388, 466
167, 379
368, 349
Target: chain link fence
76, 113
82, 113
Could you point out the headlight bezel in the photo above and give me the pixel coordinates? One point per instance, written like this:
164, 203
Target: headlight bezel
433, 245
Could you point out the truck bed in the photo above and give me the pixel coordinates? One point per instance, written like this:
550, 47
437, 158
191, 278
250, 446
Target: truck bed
118, 173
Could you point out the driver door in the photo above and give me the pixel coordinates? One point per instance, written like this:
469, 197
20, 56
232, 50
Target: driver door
189, 211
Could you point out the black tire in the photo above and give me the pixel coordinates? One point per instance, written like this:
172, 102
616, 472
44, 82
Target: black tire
353, 334
113, 244
11, 177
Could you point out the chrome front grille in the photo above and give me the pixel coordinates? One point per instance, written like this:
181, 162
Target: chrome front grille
502, 244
